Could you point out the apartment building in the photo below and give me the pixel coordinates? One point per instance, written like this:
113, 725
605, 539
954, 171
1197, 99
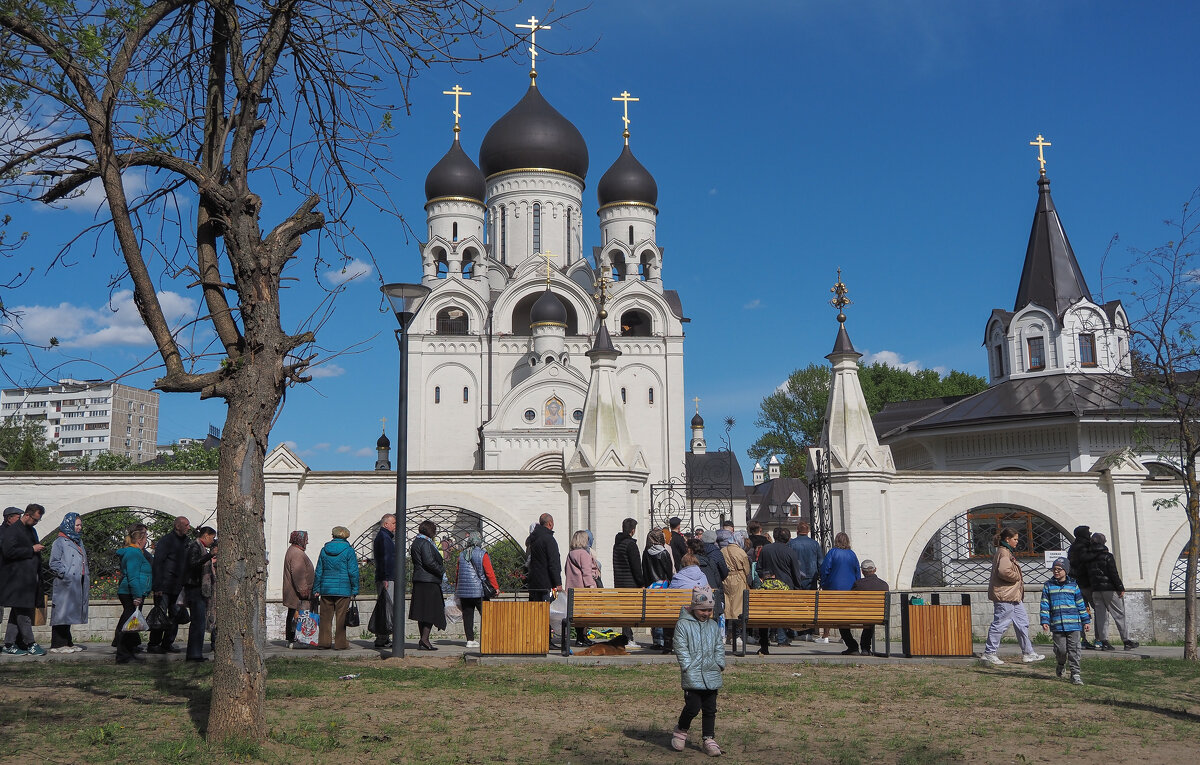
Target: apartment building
89, 417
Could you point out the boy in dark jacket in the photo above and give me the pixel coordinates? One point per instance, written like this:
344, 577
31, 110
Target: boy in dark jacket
1065, 616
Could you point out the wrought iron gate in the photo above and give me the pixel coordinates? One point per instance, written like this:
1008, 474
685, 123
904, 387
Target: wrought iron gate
822, 500
702, 499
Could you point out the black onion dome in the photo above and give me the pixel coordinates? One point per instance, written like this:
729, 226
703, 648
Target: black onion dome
533, 135
548, 309
455, 175
383, 442
627, 181
697, 420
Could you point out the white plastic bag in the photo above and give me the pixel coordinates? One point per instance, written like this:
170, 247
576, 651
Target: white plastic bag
453, 612
135, 623
307, 626
558, 608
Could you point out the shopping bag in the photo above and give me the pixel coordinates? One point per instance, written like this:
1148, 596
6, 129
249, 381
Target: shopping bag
352, 617
135, 623
380, 622
39, 616
182, 615
307, 625
453, 612
158, 618
558, 608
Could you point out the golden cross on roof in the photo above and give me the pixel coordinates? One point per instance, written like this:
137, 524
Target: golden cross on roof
533, 26
601, 295
456, 91
696, 401
547, 256
384, 421
1041, 143
840, 301
626, 98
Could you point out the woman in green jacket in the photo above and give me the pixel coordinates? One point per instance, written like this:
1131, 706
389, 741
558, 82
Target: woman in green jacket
700, 650
136, 578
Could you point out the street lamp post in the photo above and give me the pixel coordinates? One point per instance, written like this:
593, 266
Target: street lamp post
404, 299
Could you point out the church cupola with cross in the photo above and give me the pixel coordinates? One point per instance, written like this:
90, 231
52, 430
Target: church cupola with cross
627, 195
1055, 326
699, 445
454, 212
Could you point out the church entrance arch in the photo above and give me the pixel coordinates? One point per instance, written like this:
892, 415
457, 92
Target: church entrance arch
959, 554
454, 524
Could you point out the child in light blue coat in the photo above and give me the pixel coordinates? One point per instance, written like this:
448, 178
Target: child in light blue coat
700, 649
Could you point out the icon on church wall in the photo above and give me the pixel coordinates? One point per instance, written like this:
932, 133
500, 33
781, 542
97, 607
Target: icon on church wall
554, 412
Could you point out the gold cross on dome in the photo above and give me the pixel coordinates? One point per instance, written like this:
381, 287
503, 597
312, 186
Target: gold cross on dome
1041, 143
626, 98
840, 301
601, 296
547, 256
384, 421
456, 91
696, 401
533, 26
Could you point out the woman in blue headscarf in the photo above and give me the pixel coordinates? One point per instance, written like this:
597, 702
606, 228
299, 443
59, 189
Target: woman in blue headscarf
72, 584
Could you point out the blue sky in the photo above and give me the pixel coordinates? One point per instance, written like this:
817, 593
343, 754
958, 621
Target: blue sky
888, 138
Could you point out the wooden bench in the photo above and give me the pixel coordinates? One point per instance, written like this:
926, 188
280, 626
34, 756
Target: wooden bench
621, 607
806, 609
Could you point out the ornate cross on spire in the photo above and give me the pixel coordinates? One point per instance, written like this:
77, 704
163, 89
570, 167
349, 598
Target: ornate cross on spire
840, 301
696, 401
533, 26
456, 91
547, 256
626, 98
601, 295
1041, 143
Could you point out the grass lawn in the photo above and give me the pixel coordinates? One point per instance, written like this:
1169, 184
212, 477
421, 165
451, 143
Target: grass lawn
443, 711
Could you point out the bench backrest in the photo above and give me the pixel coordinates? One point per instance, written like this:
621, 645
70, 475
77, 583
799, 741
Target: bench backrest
627, 607
826, 607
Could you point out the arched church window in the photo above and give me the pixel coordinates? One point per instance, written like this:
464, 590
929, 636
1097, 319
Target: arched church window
503, 235
960, 553
617, 259
631, 234
636, 323
998, 360
452, 320
1037, 353
537, 227
454, 232
442, 268
1162, 470
1087, 350
623, 396
568, 233
650, 397
437, 394
468, 269
466, 394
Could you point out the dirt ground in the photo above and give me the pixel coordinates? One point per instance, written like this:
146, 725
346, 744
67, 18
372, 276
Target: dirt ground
441, 711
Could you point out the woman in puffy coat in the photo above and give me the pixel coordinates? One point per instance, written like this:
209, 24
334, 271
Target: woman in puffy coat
336, 581
1006, 590
581, 571
72, 584
427, 607
689, 576
473, 563
839, 569
136, 580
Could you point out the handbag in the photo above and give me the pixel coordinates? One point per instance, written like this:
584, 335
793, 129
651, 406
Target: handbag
489, 591
381, 611
352, 616
39, 616
181, 615
157, 619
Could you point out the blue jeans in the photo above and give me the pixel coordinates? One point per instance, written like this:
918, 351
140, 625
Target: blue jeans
1004, 614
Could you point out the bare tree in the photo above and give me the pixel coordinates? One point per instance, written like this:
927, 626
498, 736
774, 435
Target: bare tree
181, 106
1163, 286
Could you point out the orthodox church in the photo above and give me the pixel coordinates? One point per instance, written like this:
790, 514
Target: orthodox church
536, 361
1049, 446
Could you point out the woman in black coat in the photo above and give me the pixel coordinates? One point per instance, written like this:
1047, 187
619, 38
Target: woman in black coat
427, 608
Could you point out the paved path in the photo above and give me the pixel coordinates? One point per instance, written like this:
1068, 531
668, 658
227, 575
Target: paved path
803, 652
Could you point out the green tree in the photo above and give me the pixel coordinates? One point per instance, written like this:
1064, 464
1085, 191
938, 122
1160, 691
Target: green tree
23, 444
221, 102
791, 418
1164, 295
190, 457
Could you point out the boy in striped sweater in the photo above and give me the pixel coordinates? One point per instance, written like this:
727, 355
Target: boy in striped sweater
1064, 615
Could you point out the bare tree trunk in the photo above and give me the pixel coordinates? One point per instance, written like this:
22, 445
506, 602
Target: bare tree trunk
239, 672
1190, 574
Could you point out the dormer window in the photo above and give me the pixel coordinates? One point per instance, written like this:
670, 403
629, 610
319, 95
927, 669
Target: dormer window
1087, 350
998, 360
1037, 353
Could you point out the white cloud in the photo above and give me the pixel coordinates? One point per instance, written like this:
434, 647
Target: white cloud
755, 303
321, 447
343, 449
115, 324
896, 361
366, 451
326, 369
350, 271
291, 445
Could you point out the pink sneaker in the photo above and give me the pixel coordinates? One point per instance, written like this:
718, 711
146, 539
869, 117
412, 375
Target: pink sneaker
711, 748
678, 740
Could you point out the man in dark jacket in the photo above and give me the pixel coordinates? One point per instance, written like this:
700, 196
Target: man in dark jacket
545, 568
809, 554
384, 552
1108, 594
778, 560
678, 541
871, 583
198, 556
20, 580
1079, 556
170, 575
627, 566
